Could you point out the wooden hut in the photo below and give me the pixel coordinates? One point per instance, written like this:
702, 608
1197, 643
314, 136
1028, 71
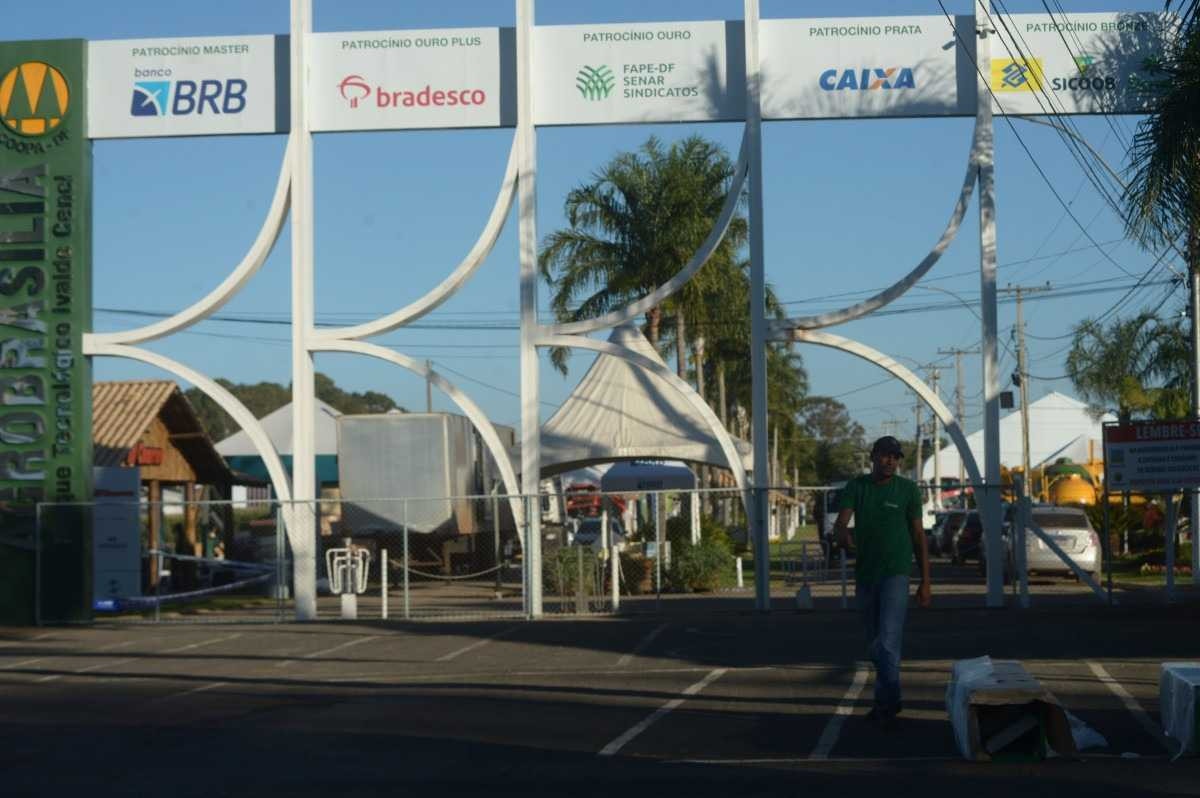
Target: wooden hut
152, 426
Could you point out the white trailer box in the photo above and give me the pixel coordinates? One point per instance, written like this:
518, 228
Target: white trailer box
408, 469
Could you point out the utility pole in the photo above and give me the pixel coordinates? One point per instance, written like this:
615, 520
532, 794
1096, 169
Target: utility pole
960, 407
1022, 379
917, 443
936, 375
429, 387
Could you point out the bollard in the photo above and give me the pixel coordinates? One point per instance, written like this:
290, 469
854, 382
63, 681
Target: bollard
616, 578
740, 582
383, 586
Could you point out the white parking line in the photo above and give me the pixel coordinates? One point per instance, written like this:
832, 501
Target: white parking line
339, 647
202, 688
475, 645
1131, 703
833, 728
641, 646
619, 743
201, 644
56, 676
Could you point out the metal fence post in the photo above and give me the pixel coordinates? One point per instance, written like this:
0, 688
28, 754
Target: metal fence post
1169, 543
1108, 552
526, 577
279, 561
1020, 552
158, 564
37, 564
407, 604
383, 583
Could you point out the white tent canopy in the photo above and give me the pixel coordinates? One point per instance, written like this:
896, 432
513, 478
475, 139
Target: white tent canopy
621, 412
1059, 426
278, 426
632, 477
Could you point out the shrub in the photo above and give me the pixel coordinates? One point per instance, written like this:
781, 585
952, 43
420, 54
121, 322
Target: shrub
679, 532
698, 568
560, 572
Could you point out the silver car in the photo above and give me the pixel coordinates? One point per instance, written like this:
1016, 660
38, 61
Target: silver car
1071, 530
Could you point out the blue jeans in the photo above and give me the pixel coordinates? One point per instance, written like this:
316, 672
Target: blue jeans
883, 605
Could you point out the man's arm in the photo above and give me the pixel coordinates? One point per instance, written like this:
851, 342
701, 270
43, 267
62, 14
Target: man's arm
841, 528
921, 548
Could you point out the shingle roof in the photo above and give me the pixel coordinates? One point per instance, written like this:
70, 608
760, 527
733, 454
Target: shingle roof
123, 411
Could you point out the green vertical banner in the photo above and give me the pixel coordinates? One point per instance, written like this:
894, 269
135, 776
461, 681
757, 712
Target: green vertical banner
45, 308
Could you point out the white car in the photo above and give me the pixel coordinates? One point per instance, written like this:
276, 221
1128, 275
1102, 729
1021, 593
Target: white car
1071, 529
588, 533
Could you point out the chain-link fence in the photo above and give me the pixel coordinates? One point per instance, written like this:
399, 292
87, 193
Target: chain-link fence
416, 558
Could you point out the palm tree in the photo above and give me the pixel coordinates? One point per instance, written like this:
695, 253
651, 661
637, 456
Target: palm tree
633, 227
1162, 198
1132, 366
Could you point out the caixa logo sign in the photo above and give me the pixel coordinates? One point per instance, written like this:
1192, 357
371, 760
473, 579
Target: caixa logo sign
869, 79
188, 97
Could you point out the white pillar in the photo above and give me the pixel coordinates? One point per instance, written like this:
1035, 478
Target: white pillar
758, 322
988, 500
694, 506
301, 516
531, 455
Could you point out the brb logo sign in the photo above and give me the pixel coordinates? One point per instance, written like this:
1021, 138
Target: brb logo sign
187, 97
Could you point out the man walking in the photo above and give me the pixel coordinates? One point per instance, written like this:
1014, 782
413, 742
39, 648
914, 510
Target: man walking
887, 532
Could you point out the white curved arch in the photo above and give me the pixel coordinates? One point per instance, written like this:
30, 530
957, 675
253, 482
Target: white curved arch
656, 297
264, 242
211, 388
694, 399
897, 289
454, 281
908, 378
468, 406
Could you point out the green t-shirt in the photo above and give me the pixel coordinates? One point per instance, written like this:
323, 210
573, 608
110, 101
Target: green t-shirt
882, 515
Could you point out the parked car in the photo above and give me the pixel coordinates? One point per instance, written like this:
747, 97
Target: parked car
968, 539
1071, 529
934, 535
944, 532
588, 533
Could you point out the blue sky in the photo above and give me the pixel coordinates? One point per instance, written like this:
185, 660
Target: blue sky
850, 206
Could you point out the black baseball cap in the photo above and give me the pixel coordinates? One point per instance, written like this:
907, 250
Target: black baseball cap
887, 445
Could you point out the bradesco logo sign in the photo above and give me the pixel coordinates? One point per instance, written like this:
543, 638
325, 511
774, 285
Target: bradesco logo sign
356, 90
393, 80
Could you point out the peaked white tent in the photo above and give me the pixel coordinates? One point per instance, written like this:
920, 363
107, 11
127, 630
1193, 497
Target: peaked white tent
1059, 426
239, 451
621, 412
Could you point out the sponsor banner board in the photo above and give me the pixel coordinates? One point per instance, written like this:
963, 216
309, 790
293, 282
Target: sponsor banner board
860, 67
45, 308
1076, 63
200, 86
655, 72
116, 534
1152, 456
410, 79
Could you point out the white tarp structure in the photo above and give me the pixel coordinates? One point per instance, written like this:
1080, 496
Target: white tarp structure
620, 412
278, 426
1059, 426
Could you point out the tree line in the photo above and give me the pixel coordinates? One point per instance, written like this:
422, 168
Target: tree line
264, 398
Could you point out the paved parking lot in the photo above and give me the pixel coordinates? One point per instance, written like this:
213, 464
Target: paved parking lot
714, 703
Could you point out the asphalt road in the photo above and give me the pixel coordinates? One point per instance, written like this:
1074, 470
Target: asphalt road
697, 702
